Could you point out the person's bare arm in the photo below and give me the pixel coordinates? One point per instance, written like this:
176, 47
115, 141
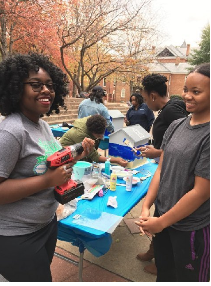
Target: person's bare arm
149, 151
153, 187
151, 194
190, 202
12, 190
118, 161
88, 145
127, 122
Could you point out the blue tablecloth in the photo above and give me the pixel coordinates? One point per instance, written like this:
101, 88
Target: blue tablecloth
104, 144
58, 131
97, 238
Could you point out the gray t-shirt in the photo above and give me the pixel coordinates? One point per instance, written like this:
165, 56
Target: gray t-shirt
186, 155
25, 146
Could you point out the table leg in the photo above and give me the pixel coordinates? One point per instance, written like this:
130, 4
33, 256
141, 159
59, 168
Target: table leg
81, 250
66, 259
81, 266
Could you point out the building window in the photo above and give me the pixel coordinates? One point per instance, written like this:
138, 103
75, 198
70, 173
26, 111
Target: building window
104, 81
123, 92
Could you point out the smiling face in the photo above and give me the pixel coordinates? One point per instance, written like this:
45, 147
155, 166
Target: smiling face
34, 103
196, 95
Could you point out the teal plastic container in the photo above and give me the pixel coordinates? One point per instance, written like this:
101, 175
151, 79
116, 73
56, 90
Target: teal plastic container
107, 167
81, 168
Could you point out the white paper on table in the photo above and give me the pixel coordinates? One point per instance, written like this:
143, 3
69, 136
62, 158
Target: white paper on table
101, 221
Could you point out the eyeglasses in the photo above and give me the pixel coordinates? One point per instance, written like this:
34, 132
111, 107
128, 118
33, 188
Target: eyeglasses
38, 86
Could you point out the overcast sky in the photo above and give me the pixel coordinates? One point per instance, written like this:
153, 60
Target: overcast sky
182, 20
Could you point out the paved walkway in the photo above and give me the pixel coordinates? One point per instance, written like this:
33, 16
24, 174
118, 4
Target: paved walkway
63, 271
119, 263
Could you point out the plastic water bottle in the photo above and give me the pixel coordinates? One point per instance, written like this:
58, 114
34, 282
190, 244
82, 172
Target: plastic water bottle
107, 166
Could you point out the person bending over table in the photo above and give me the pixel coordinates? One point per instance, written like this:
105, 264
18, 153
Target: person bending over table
91, 127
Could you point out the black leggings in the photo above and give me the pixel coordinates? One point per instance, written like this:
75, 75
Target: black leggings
182, 256
27, 258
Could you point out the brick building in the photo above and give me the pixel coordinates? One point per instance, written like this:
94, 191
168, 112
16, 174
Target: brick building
172, 63
169, 61
116, 91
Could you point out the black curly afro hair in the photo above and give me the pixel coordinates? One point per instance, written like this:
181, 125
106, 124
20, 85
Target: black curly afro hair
96, 124
15, 69
155, 82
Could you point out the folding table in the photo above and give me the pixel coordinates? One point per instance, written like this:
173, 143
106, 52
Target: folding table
58, 130
96, 222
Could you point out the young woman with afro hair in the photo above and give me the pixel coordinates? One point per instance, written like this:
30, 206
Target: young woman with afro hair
30, 86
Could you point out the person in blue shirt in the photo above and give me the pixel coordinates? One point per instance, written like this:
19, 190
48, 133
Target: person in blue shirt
139, 113
94, 105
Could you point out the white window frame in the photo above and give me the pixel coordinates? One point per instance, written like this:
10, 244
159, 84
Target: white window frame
123, 93
104, 82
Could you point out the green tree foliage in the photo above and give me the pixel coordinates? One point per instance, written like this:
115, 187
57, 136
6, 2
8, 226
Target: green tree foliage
202, 55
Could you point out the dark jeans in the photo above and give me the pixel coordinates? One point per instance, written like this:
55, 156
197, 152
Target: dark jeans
27, 258
182, 256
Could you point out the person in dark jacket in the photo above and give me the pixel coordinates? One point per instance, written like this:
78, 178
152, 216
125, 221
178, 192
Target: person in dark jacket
139, 113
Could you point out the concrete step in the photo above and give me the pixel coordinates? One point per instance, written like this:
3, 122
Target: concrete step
73, 99
71, 114
60, 117
52, 121
74, 109
69, 111
74, 104
71, 121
